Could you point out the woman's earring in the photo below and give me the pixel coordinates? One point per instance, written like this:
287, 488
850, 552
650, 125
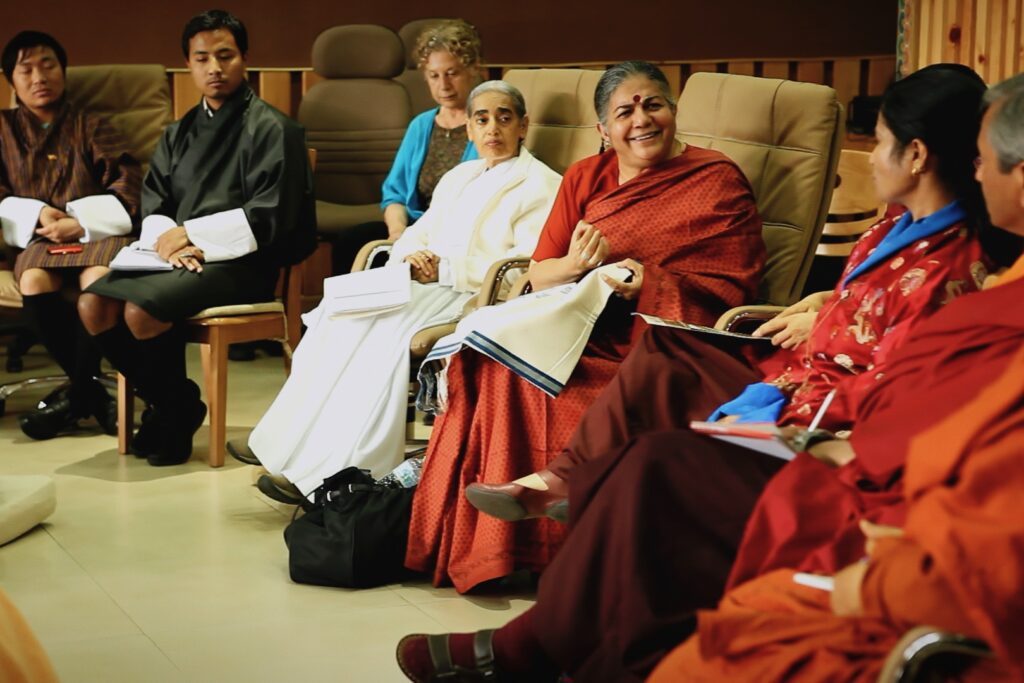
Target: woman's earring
915, 171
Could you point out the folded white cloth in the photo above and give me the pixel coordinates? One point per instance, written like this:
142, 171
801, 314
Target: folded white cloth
508, 334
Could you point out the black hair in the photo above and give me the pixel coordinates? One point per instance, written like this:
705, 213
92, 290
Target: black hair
211, 20
939, 106
25, 41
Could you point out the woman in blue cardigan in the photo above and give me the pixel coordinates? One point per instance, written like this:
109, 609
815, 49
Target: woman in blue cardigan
448, 53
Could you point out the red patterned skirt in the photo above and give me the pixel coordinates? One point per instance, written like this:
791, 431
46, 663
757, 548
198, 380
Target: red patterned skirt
498, 428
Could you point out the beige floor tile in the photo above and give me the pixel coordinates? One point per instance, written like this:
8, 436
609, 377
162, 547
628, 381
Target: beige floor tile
472, 613
181, 573
334, 643
36, 556
122, 659
69, 609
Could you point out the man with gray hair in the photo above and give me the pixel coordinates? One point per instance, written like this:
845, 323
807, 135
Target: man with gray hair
1001, 155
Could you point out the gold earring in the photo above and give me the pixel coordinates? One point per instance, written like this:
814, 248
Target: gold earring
915, 171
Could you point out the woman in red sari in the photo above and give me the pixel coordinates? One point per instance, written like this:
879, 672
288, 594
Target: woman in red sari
683, 221
656, 523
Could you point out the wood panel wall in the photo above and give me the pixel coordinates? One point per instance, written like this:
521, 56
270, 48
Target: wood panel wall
986, 35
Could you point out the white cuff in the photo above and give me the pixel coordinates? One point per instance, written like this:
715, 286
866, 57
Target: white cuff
20, 216
222, 236
100, 215
445, 274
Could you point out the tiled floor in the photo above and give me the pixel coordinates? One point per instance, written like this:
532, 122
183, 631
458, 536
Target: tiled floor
180, 574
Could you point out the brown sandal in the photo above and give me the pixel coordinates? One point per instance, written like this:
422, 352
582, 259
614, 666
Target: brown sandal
440, 657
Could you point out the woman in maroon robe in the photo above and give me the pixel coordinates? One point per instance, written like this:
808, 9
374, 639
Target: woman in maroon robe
658, 521
683, 220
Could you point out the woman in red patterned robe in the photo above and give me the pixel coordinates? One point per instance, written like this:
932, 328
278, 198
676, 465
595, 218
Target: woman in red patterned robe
683, 221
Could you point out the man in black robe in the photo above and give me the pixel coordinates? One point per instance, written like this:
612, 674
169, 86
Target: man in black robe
229, 194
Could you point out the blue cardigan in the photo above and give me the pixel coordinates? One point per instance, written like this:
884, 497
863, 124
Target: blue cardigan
400, 185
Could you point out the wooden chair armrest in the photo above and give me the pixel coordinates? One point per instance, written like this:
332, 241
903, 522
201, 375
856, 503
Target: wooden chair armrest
734, 318
927, 646
491, 289
369, 251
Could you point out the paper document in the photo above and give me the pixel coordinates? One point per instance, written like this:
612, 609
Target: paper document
374, 290
763, 437
690, 327
141, 254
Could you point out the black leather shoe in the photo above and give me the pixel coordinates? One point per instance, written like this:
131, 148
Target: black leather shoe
47, 422
175, 448
276, 488
147, 438
240, 451
104, 409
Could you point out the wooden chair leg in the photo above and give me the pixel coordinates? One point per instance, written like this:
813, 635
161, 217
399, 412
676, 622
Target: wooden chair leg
215, 371
125, 414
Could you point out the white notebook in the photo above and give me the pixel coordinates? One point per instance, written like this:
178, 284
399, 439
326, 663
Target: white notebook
140, 255
374, 290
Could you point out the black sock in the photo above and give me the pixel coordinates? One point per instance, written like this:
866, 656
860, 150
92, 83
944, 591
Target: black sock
53, 319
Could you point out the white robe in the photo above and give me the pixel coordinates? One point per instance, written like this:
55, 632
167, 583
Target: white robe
344, 403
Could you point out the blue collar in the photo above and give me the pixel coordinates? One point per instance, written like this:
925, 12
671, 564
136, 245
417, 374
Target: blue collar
906, 232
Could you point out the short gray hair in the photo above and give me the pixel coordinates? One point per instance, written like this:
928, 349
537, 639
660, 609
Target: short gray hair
616, 75
1006, 130
518, 102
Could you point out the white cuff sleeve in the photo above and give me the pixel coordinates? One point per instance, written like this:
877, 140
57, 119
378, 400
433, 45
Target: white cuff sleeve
20, 216
445, 274
222, 236
101, 215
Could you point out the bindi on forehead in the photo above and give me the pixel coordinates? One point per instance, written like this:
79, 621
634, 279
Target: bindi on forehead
636, 99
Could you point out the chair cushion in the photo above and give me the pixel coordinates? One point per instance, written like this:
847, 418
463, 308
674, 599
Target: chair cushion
135, 98
333, 218
784, 136
358, 51
10, 297
560, 103
239, 309
25, 501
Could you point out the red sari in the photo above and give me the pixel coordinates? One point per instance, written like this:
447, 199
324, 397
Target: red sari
960, 565
693, 224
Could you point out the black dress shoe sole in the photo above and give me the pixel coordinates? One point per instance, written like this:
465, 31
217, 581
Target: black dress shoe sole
244, 456
271, 490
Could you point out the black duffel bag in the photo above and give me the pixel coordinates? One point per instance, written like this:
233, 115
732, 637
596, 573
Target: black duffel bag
355, 536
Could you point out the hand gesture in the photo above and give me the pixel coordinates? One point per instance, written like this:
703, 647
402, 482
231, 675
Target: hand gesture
425, 266
845, 599
62, 230
190, 258
875, 532
631, 289
588, 248
171, 242
49, 214
792, 326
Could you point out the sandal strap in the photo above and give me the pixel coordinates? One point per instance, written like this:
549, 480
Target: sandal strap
437, 645
483, 653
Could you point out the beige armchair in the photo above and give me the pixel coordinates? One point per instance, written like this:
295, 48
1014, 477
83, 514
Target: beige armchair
785, 136
355, 118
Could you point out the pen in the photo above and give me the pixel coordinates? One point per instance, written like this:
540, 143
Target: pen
821, 411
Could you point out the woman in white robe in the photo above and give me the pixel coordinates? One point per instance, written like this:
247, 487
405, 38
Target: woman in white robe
345, 401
